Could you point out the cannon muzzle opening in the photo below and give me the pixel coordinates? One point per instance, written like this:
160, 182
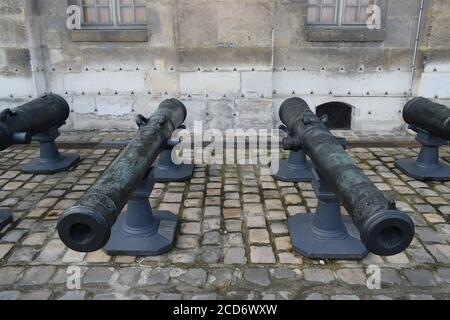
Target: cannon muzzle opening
83, 229
388, 233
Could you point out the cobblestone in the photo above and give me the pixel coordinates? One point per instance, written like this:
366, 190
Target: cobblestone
36, 295
260, 236
444, 273
210, 297
129, 277
345, 297
170, 296
194, 277
259, 277
420, 297
9, 295
390, 277
73, 295
37, 276
420, 278
232, 240
283, 273
235, 256
420, 256
4, 249
24, 254
212, 255
223, 278
352, 276
315, 297
98, 275
157, 277
262, 255
9, 275
211, 238
318, 275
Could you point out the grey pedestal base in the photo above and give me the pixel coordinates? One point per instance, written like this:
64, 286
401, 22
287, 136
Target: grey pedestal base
427, 166
154, 241
167, 171
296, 169
42, 166
313, 245
140, 232
413, 169
50, 160
327, 234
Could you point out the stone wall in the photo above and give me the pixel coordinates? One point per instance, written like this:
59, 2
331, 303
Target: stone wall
231, 61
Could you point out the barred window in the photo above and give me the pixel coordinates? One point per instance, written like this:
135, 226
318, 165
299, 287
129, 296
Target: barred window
113, 13
338, 12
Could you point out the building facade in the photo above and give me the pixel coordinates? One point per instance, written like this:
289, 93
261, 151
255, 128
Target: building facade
232, 62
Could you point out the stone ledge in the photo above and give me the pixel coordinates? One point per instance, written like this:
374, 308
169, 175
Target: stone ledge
320, 34
138, 35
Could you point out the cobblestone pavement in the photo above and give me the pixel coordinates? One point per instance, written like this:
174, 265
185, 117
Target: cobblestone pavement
233, 241
108, 136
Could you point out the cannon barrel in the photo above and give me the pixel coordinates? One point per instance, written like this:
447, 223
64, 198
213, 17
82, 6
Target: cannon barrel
86, 227
384, 229
18, 125
428, 115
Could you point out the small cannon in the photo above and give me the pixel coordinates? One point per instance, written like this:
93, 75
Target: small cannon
38, 121
96, 220
431, 121
298, 168
383, 229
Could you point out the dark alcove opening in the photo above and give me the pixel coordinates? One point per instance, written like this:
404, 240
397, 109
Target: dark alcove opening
339, 115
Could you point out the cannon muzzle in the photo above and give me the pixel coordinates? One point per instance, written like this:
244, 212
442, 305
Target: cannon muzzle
86, 227
428, 115
384, 229
18, 125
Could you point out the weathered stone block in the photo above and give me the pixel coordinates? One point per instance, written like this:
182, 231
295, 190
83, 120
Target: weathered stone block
257, 84
116, 106
254, 113
214, 84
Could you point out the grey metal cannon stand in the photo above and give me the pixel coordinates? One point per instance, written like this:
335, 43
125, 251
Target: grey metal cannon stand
297, 168
427, 166
167, 171
38, 120
384, 230
50, 159
326, 234
139, 231
91, 225
431, 121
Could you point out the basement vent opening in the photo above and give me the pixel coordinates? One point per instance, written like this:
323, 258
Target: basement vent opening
339, 115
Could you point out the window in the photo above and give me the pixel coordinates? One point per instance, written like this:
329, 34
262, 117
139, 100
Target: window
338, 12
113, 13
